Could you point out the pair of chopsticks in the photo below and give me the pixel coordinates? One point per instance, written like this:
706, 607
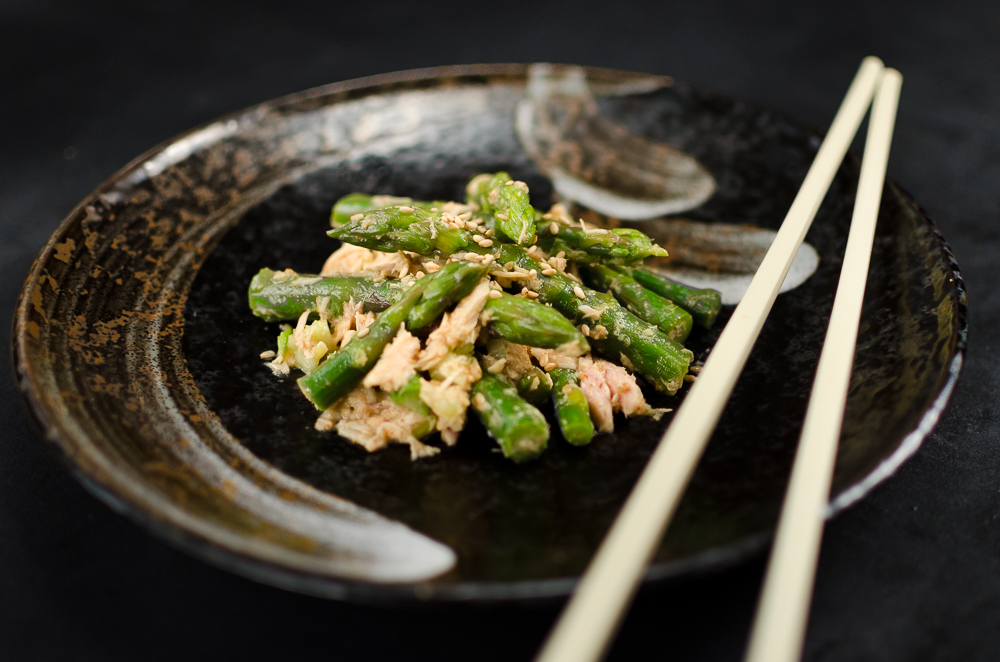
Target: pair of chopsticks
593, 614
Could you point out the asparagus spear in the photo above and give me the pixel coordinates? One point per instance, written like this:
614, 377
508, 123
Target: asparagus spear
449, 285
409, 396
535, 385
359, 203
615, 246
571, 407
704, 305
508, 200
288, 296
615, 333
527, 322
669, 318
406, 228
343, 370
519, 428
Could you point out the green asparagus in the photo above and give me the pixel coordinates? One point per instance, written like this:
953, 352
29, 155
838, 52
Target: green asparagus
571, 407
527, 322
535, 385
406, 228
668, 317
508, 200
616, 246
409, 396
276, 296
616, 333
448, 286
345, 369
518, 427
704, 305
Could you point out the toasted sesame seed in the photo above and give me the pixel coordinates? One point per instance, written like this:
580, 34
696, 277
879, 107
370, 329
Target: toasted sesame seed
585, 329
532, 295
495, 294
533, 272
434, 209
547, 216
357, 217
549, 272
488, 260
690, 378
465, 216
485, 243
510, 183
432, 267
472, 256
269, 354
532, 249
578, 291
363, 332
477, 238
554, 227
489, 233
502, 217
561, 254
419, 275
469, 225
406, 210
549, 367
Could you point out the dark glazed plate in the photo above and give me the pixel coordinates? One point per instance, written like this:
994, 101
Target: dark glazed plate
139, 359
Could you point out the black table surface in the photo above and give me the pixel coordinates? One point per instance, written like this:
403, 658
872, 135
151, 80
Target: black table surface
910, 573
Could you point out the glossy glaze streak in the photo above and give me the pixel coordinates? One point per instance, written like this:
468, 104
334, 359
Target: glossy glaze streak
138, 356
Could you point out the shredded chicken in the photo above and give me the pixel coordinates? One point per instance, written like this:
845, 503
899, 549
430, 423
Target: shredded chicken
372, 420
550, 359
397, 364
609, 388
458, 328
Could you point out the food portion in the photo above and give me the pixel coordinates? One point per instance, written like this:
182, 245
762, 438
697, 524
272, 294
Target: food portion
431, 309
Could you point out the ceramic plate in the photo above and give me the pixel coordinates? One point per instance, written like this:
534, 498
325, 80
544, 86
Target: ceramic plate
138, 357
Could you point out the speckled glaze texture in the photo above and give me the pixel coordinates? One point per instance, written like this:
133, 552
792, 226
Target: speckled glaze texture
138, 356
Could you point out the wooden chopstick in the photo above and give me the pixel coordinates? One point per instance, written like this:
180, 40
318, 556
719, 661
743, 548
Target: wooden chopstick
779, 628
604, 593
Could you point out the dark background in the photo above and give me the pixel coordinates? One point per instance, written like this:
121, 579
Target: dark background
911, 573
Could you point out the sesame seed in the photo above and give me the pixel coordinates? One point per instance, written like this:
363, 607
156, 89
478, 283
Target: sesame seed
269, 354
488, 260
561, 254
434, 209
471, 256
465, 216
690, 378
485, 243
363, 332
432, 267
469, 225
510, 183
406, 210
585, 329
549, 272
419, 275
578, 291
495, 294
477, 238
357, 217
554, 227
532, 249
532, 295
502, 217
489, 233
533, 272
547, 216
